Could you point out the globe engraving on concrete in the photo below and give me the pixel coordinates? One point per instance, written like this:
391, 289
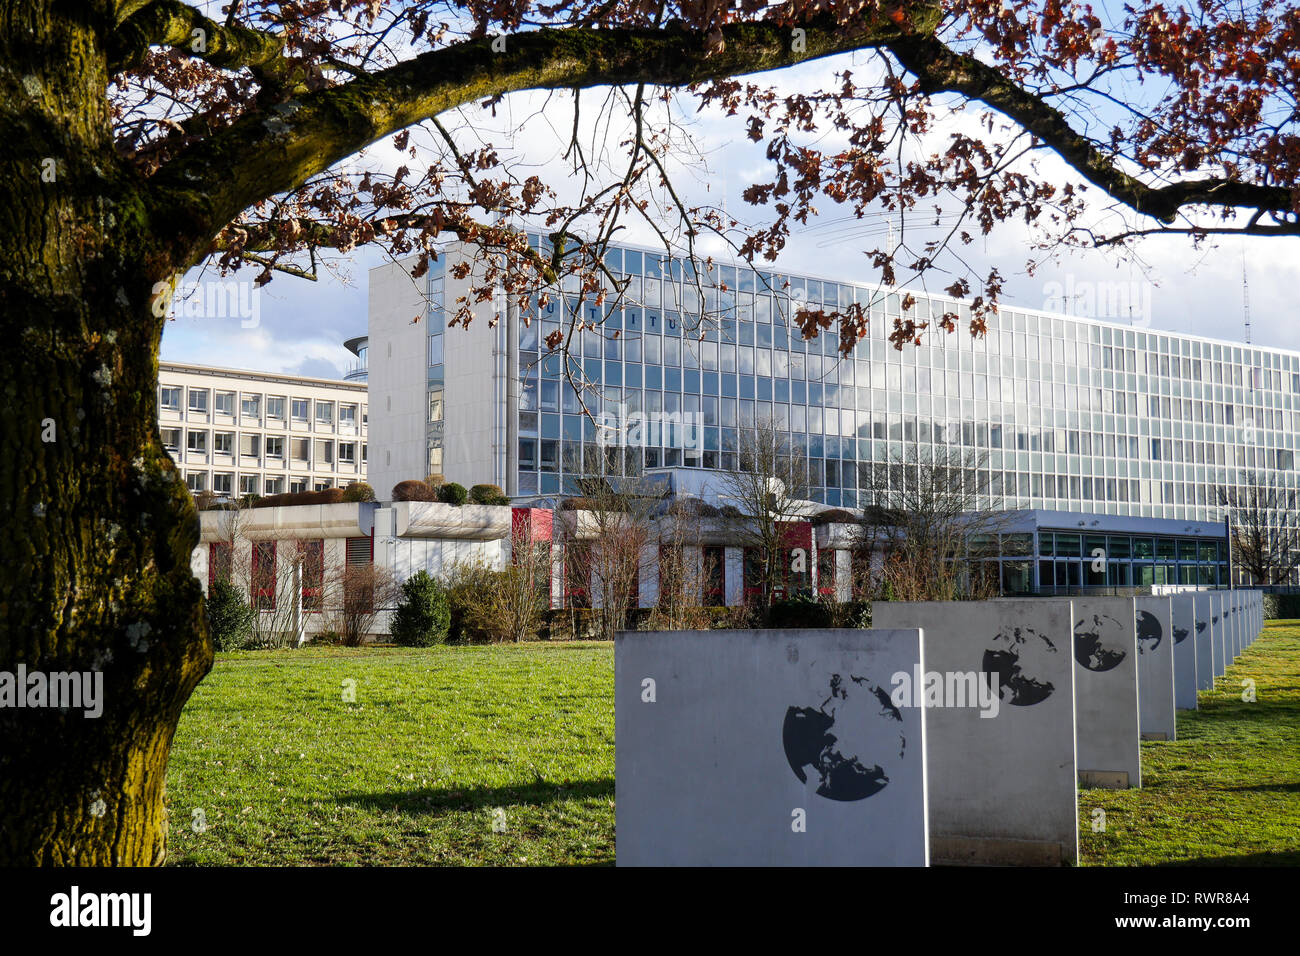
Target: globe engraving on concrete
1097, 642
1017, 657
845, 740
1149, 632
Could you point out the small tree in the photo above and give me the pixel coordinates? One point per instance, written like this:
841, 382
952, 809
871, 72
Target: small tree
230, 619
769, 489
358, 594
1265, 533
616, 540
926, 518
423, 616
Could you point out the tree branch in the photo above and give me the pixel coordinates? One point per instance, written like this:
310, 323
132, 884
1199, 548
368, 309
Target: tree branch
171, 23
267, 153
939, 69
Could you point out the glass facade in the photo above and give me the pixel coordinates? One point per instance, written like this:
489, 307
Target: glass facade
1074, 415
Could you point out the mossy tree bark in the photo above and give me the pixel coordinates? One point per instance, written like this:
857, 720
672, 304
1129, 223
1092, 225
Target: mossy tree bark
97, 527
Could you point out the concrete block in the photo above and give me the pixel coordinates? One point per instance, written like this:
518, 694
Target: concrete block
769, 748
1155, 645
1002, 788
1106, 688
1188, 628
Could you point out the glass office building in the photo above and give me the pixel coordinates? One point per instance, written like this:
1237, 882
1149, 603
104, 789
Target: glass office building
1091, 420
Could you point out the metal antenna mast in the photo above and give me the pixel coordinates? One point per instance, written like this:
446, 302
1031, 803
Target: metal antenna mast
1245, 295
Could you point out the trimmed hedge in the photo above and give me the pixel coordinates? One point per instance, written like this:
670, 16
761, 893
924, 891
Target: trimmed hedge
693, 507
487, 495
358, 491
1285, 607
453, 493
834, 516
326, 496
413, 490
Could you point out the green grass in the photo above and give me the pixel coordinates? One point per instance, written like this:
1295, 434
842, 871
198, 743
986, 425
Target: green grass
439, 740
1227, 791
414, 772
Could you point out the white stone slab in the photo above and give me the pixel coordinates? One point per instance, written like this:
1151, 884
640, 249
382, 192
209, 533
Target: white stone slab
1002, 788
1155, 645
768, 748
1106, 692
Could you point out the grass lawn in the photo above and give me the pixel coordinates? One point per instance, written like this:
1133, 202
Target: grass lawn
1227, 791
442, 748
505, 756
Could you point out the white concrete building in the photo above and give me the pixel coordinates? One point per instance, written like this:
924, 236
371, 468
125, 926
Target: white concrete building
236, 432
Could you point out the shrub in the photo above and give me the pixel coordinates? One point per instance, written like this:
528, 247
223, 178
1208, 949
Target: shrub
423, 615
834, 516
230, 619
358, 491
326, 496
692, 507
1284, 606
487, 495
435, 480
413, 490
731, 511
453, 493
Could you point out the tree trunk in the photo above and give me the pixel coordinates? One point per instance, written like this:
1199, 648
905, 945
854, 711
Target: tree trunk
97, 525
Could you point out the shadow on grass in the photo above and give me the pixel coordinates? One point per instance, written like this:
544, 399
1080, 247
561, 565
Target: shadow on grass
439, 799
1278, 858
1268, 788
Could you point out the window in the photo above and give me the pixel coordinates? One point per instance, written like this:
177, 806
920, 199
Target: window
363, 453
324, 413
196, 481
274, 447
248, 484
252, 406
222, 482
301, 449
347, 416
221, 560
171, 439
169, 397
223, 443
297, 484
311, 554
197, 442
274, 486
300, 409
224, 403
199, 400
324, 453
347, 453
275, 408
248, 445
263, 575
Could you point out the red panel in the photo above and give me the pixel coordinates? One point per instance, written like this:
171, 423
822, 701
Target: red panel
534, 523
796, 534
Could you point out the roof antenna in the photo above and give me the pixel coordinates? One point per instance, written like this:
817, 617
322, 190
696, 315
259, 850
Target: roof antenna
1245, 293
